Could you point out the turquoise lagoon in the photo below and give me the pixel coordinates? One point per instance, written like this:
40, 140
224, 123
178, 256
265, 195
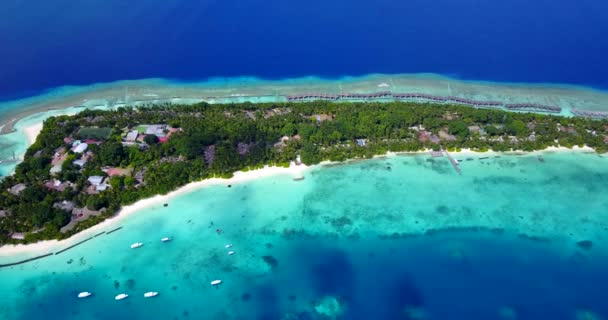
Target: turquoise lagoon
399, 237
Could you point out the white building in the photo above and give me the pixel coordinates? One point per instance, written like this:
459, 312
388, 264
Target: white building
81, 148
156, 129
131, 136
55, 169
95, 180
79, 162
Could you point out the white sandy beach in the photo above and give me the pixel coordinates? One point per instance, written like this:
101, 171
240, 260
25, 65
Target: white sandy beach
17, 252
32, 132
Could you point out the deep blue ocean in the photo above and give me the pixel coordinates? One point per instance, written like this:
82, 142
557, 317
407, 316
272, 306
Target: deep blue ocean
46, 44
448, 275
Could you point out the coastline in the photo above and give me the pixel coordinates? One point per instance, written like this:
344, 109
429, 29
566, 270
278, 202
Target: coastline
32, 132
49, 246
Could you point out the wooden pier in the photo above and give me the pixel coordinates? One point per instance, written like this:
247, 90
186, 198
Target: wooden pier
454, 162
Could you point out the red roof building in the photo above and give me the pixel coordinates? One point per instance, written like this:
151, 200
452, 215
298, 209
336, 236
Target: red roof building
92, 141
113, 172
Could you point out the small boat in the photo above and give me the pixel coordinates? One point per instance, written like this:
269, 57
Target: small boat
166, 239
216, 282
228, 246
121, 296
136, 245
150, 294
84, 294
230, 253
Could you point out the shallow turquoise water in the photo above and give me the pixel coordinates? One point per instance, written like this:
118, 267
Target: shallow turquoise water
386, 236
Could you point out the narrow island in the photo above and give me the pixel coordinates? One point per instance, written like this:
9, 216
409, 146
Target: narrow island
82, 169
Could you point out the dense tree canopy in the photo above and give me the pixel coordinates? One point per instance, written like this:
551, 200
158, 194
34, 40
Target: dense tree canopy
111, 153
151, 139
216, 140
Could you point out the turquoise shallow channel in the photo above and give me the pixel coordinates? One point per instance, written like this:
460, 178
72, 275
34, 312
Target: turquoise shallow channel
400, 237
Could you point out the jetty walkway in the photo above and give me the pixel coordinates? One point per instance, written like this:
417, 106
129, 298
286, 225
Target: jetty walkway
413, 96
58, 252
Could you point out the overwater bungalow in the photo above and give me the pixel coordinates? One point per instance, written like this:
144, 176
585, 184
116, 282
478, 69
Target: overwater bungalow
590, 114
532, 106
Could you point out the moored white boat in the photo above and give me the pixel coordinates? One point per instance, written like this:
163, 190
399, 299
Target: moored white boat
216, 282
121, 296
136, 245
150, 294
84, 294
166, 239
229, 246
230, 253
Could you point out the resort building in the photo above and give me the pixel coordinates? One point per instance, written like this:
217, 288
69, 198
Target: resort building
434, 138
139, 176
156, 129
92, 141
98, 183
474, 129
17, 189
131, 136
95, 180
64, 205
55, 169
17, 236
423, 136
322, 117
57, 185
79, 162
116, 172
446, 136
80, 148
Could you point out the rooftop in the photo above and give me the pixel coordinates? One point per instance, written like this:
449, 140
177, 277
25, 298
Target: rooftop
131, 136
95, 180
81, 147
17, 189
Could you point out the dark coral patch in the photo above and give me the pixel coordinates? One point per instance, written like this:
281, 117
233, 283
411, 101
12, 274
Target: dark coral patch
585, 244
271, 261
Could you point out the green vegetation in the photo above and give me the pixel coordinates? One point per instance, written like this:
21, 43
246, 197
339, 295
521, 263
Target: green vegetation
151, 139
94, 133
203, 141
